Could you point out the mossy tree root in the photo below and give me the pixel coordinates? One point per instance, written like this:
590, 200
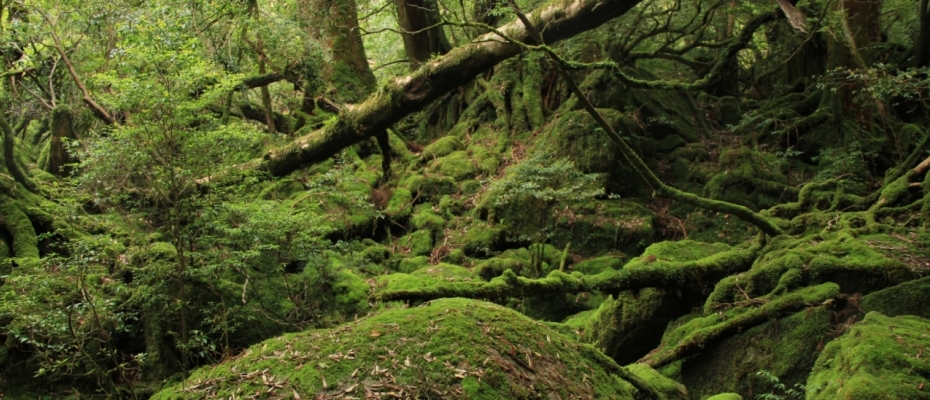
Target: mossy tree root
661, 189
405, 95
700, 338
9, 155
707, 270
646, 391
25, 242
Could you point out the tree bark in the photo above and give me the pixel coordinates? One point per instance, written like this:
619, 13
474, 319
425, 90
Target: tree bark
335, 24
922, 56
403, 96
423, 36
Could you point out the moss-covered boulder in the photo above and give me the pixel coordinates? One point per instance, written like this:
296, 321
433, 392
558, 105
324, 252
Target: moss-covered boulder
786, 348
624, 327
450, 348
909, 298
879, 358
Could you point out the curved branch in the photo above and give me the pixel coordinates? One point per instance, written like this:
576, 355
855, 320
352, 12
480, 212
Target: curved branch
728, 55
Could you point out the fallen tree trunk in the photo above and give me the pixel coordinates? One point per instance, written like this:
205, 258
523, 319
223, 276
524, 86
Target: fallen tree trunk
402, 96
653, 274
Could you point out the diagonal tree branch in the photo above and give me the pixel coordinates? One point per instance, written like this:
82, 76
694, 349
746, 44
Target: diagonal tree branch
402, 96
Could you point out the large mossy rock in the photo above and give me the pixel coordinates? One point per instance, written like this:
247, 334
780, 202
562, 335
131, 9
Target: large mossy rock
786, 348
450, 348
625, 327
880, 358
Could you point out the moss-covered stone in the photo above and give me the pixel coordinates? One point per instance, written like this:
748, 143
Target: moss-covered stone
786, 348
450, 348
725, 396
426, 219
596, 227
401, 204
879, 358
443, 147
908, 298
420, 242
456, 165
624, 326
408, 265
351, 292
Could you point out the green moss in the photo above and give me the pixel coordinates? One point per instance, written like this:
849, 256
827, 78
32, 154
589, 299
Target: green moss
426, 219
401, 204
443, 147
669, 388
411, 264
909, 298
880, 358
487, 163
596, 227
785, 347
481, 238
351, 292
471, 187
376, 253
456, 165
574, 135
451, 207
725, 396
597, 265
494, 267
624, 326
445, 272
430, 350
25, 243
420, 243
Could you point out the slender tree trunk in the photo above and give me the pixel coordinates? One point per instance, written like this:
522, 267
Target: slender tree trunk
423, 36
849, 48
922, 56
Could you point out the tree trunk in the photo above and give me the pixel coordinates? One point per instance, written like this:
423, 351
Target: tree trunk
422, 38
922, 56
403, 96
335, 24
62, 128
849, 48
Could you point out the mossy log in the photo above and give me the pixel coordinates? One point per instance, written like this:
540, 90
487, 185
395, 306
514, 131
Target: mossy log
696, 340
655, 274
403, 96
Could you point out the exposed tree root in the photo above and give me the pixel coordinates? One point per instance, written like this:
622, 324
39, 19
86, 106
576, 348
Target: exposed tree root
728, 324
652, 274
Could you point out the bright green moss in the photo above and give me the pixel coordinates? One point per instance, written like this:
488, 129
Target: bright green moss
725, 396
668, 387
411, 264
597, 265
431, 350
351, 292
426, 219
486, 161
25, 243
443, 147
420, 243
401, 204
909, 298
879, 358
456, 165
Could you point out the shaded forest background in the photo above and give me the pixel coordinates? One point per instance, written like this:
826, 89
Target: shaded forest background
472, 199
